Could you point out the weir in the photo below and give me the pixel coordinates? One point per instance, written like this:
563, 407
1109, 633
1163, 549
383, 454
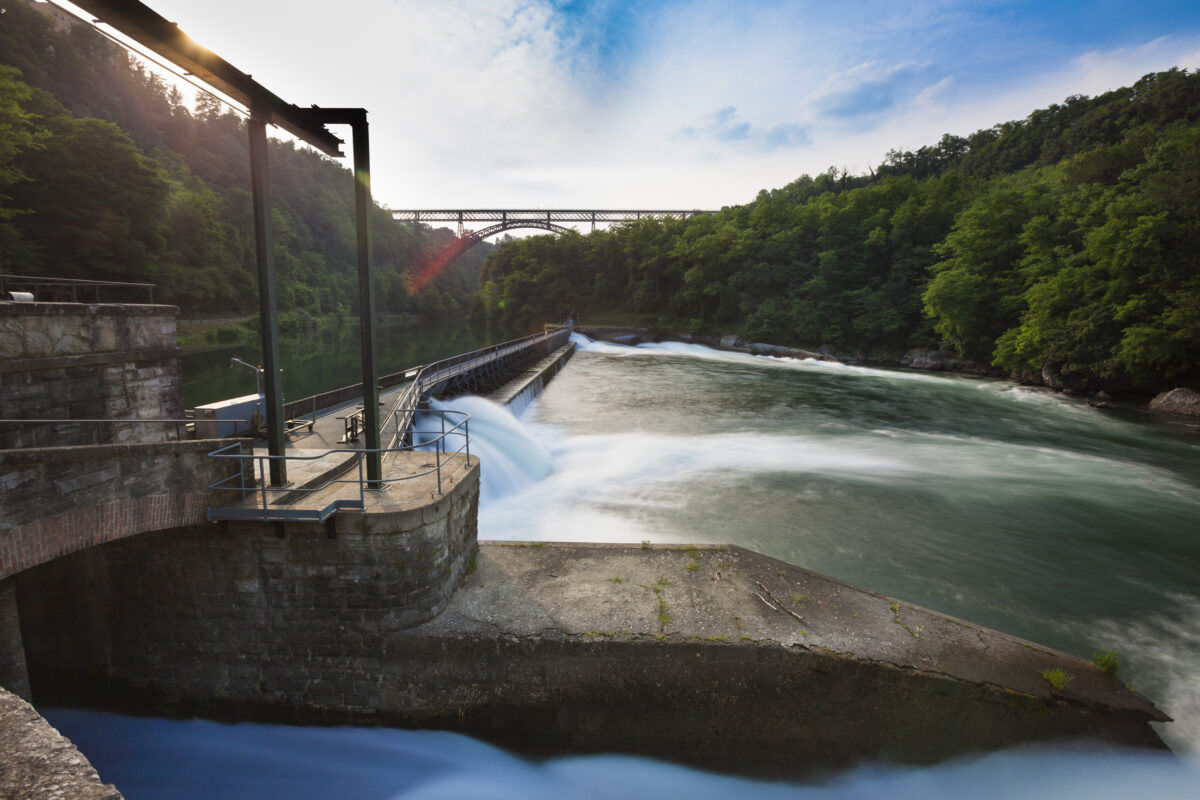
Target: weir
392, 613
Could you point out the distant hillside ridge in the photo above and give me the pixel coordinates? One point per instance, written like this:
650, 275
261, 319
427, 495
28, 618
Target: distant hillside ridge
1065, 244
104, 174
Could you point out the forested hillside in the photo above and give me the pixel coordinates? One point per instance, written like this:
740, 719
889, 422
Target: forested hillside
104, 174
1069, 239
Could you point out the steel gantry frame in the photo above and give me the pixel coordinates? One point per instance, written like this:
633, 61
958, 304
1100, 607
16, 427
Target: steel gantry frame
145, 26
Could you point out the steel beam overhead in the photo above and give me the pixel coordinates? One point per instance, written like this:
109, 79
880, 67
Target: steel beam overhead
150, 29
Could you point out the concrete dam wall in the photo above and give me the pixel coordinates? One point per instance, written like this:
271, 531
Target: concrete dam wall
395, 615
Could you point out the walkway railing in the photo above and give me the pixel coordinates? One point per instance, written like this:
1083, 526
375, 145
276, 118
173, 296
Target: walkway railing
269, 506
432, 375
63, 290
305, 410
276, 502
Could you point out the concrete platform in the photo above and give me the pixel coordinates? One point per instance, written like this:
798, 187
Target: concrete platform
532, 380
728, 659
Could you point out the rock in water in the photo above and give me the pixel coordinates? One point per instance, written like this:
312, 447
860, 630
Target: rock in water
732, 341
1178, 401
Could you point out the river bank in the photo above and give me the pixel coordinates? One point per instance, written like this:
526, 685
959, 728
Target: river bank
1177, 402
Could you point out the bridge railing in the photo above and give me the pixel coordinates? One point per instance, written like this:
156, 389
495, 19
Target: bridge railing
267, 502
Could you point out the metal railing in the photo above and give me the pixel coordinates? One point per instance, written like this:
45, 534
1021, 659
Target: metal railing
65, 290
431, 375
266, 510
295, 411
400, 420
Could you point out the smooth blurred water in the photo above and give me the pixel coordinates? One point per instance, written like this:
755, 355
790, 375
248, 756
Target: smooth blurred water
153, 759
1016, 509
1019, 510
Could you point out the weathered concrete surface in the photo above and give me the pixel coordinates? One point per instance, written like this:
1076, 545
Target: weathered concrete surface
529, 383
39, 763
81, 361
731, 660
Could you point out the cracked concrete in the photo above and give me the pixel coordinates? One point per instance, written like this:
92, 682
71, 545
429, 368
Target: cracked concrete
542, 639
37, 762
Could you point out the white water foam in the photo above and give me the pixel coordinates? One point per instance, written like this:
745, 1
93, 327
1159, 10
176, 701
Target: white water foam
510, 458
584, 344
1171, 642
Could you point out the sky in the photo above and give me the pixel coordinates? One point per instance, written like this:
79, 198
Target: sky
679, 104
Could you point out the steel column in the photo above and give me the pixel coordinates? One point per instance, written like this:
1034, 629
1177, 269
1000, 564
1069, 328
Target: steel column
366, 293
267, 306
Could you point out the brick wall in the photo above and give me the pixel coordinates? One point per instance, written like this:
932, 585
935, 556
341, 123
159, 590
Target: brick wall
57, 500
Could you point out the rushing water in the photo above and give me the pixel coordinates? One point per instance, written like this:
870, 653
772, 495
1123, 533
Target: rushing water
1016, 509
1019, 510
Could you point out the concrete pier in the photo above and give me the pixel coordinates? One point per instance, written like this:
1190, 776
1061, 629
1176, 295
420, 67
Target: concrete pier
727, 659
527, 385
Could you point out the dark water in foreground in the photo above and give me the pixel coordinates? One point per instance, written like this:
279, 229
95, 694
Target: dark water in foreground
1022, 511
152, 759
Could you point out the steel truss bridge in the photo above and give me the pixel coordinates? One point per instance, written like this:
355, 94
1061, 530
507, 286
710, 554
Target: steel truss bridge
545, 219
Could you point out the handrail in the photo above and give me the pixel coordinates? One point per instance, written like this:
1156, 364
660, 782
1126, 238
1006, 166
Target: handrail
401, 416
347, 394
264, 510
35, 282
432, 374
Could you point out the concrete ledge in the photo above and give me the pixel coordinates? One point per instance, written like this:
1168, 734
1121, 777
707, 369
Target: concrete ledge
718, 657
530, 382
727, 659
36, 761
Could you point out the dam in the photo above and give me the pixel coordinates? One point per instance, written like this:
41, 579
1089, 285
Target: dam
394, 614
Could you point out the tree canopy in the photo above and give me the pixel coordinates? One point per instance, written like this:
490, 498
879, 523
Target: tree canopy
104, 174
1070, 239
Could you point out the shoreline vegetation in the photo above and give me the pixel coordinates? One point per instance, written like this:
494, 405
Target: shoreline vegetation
1181, 402
1062, 250
106, 174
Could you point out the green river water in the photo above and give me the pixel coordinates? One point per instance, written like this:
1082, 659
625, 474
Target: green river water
1021, 510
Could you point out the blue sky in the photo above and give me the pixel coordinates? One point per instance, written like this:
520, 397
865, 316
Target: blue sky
678, 103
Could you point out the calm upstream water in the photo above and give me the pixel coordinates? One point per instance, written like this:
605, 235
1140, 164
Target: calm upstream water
319, 361
1015, 509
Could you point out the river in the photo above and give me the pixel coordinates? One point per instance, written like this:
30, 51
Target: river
320, 360
1017, 509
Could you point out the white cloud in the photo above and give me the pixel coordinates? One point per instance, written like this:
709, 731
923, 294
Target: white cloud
500, 102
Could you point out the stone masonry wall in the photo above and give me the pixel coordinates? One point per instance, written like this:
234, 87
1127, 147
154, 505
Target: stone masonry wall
13, 675
88, 361
245, 620
56, 500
